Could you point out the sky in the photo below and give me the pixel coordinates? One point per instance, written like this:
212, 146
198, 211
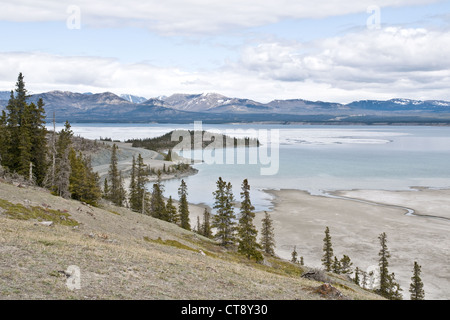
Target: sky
337, 51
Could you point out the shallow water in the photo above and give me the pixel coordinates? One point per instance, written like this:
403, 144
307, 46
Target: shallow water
312, 158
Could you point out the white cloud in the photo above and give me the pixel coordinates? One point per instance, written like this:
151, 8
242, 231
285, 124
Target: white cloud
188, 16
396, 61
371, 64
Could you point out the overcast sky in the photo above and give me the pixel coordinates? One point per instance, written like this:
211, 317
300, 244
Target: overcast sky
336, 51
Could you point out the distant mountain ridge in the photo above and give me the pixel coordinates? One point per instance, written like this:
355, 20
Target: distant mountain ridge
214, 107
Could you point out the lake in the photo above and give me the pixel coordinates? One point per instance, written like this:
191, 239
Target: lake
311, 158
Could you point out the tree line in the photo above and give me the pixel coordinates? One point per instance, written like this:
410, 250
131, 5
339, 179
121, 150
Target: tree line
229, 230
47, 160
388, 286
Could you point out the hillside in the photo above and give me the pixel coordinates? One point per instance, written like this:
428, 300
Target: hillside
125, 255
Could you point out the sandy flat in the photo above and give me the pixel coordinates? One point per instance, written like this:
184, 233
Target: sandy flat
300, 220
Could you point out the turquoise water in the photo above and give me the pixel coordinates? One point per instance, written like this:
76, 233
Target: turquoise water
314, 158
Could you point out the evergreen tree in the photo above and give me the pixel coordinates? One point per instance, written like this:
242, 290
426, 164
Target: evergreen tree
39, 148
247, 233
50, 176
416, 286
206, 226
294, 255
168, 157
346, 265
224, 219
25, 141
198, 228
23, 135
327, 259
116, 190
105, 188
139, 196
183, 206
394, 288
3, 138
134, 197
158, 206
77, 175
389, 288
302, 263
356, 279
364, 279
383, 263
267, 235
83, 182
171, 211
62, 172
93, 192
19, 142
336, 267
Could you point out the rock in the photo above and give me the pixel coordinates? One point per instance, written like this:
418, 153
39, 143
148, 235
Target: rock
316, 275
46, 223
266, 262
330, 292
201, 252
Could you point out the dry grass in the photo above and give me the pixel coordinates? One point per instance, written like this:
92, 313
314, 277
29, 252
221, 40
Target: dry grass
125, 255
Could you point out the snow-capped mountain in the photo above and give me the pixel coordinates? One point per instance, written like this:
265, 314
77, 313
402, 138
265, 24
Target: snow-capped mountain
214, 107
132, 98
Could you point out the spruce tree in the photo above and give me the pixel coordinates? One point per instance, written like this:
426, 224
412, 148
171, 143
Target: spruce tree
122, 192
198, 228
247, 233
19, 143
346, 265
336, 266
294, 255
93, 192
206, 226
25, 141
3, 138
39, 148
116, 189
327, 259
183, 206
77, 175
134, 197
389, 288
105, 188
416, 286
157, 205
49, 180
62, 170
383, 263
83, 181
139, 196
394, 288
267, 235
224, 219
171, 211
356, 279
23, 135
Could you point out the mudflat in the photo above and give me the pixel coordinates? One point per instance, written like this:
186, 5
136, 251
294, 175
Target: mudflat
300, 220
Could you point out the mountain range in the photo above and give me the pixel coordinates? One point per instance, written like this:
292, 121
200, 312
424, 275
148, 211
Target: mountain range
216, 108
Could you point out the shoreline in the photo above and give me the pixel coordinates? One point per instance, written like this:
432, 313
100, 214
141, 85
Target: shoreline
300, 220
339, 194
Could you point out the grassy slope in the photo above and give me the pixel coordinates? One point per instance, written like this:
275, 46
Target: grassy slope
121, 256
